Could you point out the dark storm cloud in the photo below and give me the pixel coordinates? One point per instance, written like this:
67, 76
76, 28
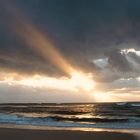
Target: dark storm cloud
118, 61
27, 63
83, 30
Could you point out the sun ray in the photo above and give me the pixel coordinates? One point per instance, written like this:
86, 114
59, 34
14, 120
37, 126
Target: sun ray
41, 44
37, 40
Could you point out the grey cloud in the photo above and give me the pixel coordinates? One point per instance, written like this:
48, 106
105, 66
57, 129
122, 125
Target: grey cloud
27, 63
21, 94
83, 31
126, 83
120, 65
134, 56
119, 61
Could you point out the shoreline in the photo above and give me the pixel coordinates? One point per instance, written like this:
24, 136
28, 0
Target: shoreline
28, 134
34, 127
51, 133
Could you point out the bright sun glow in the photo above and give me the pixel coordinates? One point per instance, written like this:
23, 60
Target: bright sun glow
82, 81
103, 97
78, 81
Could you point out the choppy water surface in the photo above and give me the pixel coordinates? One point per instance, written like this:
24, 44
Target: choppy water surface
100, 115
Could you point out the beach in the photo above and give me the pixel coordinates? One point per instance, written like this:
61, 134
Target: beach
69, 121
27, 134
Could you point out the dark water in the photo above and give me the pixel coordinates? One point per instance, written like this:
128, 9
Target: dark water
101, 115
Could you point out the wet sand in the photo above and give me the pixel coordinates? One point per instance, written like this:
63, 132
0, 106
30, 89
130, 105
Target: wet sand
23, 134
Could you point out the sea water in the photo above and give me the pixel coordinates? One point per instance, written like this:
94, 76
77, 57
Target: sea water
87, 115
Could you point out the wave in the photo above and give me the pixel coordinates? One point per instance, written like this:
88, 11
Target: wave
136, 104
53, 121
69, 122
106, 115
121, 103
57, 118
17, 118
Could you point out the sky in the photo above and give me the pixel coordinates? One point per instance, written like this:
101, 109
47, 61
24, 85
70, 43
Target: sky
69, 51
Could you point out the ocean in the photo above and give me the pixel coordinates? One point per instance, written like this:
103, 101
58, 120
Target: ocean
81, 115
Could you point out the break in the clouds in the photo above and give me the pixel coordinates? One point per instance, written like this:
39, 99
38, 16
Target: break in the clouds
100, 37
